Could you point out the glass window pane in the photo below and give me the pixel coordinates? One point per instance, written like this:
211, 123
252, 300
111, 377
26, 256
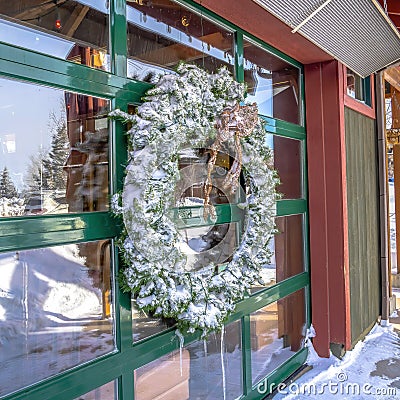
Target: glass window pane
145, 325
54, 151
209, 244
287, 155
199, 374
71, 30
272, 83
105, 392
56, 311
277, 333
357, 87
161, 34
288, 252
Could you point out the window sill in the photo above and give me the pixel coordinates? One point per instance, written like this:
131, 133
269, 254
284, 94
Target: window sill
360, 106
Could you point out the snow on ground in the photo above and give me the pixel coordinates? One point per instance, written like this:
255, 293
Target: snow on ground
370, 371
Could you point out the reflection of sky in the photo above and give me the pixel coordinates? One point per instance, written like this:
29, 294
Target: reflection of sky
263, 95
24, 116
100, 5
269, 140
263, 88
22, 36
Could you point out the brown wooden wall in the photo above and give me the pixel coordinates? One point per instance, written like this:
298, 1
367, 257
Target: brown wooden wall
362, 198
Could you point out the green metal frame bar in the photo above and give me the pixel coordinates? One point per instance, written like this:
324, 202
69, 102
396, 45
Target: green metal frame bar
31, 232
39, 231
246, 354
290, 207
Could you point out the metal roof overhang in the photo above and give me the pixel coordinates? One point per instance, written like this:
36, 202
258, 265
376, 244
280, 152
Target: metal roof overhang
357, 33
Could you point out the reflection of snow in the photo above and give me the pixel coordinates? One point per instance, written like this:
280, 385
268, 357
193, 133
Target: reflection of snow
269, 357
51, 316
104, 392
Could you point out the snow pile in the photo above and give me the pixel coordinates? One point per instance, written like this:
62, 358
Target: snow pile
11, 207
369, 371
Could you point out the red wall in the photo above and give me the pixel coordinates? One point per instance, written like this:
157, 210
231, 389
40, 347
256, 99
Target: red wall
330, 294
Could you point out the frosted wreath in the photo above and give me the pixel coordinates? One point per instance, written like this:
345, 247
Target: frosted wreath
180, 112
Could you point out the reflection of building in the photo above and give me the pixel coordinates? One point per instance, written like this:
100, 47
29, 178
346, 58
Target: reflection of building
87, 178
87, 163
46, 202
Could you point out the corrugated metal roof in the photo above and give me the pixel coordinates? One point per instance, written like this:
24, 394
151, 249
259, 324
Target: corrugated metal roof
356, 32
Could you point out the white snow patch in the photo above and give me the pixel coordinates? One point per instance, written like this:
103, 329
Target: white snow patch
360, 366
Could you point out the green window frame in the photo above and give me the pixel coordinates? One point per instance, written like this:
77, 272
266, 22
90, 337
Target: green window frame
19, 233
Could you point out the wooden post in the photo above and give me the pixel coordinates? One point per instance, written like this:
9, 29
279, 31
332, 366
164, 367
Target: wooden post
396, 162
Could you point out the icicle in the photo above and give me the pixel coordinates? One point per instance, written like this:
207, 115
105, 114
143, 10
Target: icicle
205, 354
181, 343
222, 362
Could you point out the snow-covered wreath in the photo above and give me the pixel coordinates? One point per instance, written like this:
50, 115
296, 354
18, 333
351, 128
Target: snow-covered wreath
184, 111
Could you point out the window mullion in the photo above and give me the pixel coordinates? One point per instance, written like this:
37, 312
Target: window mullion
239, 69
118, 37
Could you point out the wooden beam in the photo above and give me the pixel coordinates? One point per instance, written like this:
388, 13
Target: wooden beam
75, 20
392, 75
36, 11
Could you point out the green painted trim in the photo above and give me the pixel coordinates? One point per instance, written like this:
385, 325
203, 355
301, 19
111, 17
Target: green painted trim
283, 128
74, 382
37, 231
118, 160
23, 64
239, 58
128, 388
269, 295
118, 37
367, 90
192, 217
302, 98
291, 207
246, 355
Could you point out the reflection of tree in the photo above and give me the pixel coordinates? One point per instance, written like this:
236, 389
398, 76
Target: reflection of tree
45, 171
59, 152
37, 176
10, 203
7, 187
